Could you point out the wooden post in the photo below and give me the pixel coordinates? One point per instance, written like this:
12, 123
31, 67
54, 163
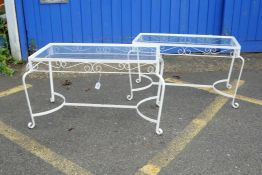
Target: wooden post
13, 29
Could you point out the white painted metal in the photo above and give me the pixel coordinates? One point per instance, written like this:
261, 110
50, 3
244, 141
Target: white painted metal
13, 29
144, 87
234, 104
49, 58
131, 59
189, 85
219, 91
139, 40
101, 105
197, 45
52, 98
161, 72
32, 123
51, 110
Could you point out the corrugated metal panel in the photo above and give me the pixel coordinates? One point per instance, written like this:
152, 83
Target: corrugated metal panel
243, 19
120, 21
21, 28
117, 20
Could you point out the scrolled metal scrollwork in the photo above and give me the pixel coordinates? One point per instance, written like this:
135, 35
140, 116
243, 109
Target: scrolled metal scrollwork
103, 50
96, 67
88, 67
210, 51
60, 64
92, 67
184, 51
151, 69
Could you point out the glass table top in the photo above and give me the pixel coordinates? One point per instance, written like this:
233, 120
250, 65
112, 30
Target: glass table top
93, 52
187, 40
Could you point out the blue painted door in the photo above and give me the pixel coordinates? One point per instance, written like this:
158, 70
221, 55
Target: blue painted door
243, 19
119, 21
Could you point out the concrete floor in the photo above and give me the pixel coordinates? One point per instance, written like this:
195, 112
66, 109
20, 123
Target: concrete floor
118, 142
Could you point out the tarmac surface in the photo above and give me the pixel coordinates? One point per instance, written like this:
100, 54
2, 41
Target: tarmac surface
203, 134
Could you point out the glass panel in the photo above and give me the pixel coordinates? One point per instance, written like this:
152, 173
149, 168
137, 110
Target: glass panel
93, 52
171, 39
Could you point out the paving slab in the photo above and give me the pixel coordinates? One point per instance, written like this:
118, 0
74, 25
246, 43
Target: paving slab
118, 141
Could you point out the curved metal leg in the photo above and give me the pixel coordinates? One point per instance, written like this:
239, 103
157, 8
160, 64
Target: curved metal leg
228, 85
159, 131
138, 80
235, 104
130, 97
32, 123
52, 98
161, 62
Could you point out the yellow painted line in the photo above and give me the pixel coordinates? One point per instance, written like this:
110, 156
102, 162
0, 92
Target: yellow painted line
178, 144
44, 153
149, 169
210, 90
249, 99
14, 90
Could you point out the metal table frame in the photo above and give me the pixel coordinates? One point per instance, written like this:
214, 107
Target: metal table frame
45, 60
201, 46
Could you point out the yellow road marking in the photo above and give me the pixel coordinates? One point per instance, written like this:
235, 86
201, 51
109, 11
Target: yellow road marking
178, 144
210, 90
149, 169
248, 99
14, 90
41, 151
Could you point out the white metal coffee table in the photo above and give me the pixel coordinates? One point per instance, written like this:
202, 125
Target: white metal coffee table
200, 46
99, 58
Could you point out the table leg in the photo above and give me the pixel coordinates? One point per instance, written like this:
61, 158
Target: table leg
228, 85
130, 96
138, 80
159, 131
235, 104
52, 99
161, 62
32, 123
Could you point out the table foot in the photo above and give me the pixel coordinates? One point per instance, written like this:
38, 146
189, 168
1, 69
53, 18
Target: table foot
129, 97
229, 86
235, 105
159, 131
138, 80
52, 99
31, 125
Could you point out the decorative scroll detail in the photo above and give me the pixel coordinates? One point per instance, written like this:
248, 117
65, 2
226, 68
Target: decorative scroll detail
103, 50
172, 50
184, 51
183, 40
94, 67
179, 45
210, 51
60, 64
151, 69
89, 67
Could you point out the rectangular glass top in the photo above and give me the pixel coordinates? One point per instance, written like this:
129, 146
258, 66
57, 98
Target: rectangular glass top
188, 40
95, 52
